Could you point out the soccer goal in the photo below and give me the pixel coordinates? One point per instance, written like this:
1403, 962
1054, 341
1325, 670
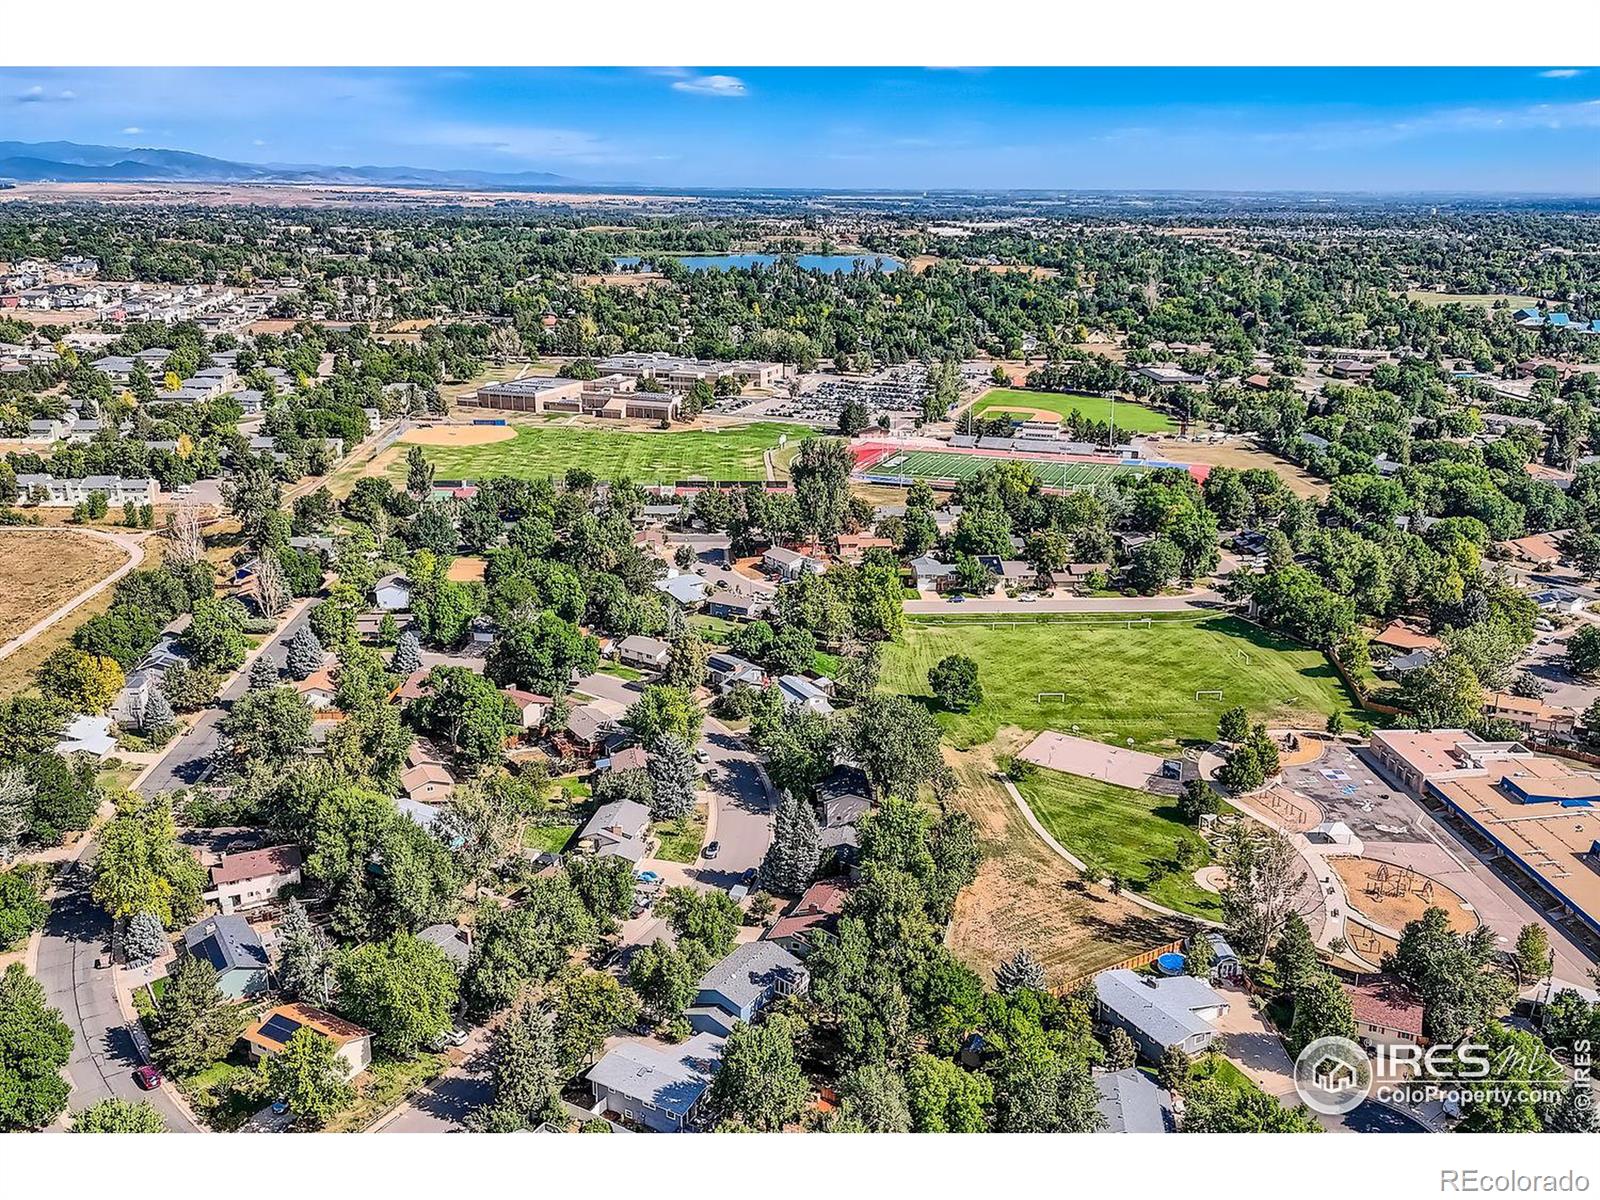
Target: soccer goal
1138, 621
1058, 697
1209, 695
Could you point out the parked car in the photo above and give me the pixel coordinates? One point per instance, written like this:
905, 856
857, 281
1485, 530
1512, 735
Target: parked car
455, 1036
702, 755
147, 1077
712, 849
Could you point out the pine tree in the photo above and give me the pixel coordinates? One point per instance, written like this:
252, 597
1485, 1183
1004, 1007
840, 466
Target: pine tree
672, 779
145, 939
1295, 955
305, 967
263, 673
796, 850
156, 721
305, 653
407, 658
193, 1025
1018, 972
1121, 1053
525, 1073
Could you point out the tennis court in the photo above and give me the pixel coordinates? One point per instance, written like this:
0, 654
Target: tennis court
898, 466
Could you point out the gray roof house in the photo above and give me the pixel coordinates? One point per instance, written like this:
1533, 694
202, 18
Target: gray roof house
234, 948
798, 691
455, 941
688, 590
744, 983
658, 1087
1160, 1012
1132, 1102
619, 828
640, 651
845, 796
729, 670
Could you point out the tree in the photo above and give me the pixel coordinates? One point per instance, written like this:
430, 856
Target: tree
874, 1099
1321, 1009
1525, 1073
142, 868
272, 586
65, 796
1174, 1070
144, 940
1037, 1090
254, 496
263, 673
954, 680
407, 658
193, 1024
663, 711
1461, 991
1265, 874
525, 1073
1233, 725
310, 1077
820, 472
1294, 955
468, 710
796, 851
22, 905
404, 989
157, 721
666, 977
896, 742
306, 966
35, 1045
1583, 650
1121, 1053
1534, 956
542, 654
80, 681
270, 727
419, 472
305, 653
1213, 1107
1197, 800
760, 1084
16, 807
944, 1098
216, 634
710, 918
686, 662
672, 779
588, 1006
119, 1116
1018, 972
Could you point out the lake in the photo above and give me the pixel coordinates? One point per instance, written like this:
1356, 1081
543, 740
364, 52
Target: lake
827, 263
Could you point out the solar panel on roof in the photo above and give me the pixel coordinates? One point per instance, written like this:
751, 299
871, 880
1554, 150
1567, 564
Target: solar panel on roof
211, 951
280, 1028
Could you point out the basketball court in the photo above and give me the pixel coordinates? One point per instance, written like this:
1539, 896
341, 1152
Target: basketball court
1095, 760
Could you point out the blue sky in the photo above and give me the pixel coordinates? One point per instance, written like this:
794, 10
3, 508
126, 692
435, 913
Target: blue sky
1501, 129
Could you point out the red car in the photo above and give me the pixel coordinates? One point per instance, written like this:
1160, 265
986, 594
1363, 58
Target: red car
148, 1078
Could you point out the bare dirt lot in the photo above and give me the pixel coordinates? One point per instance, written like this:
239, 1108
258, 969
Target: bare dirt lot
1027, 896
39, 571
458, 435
1241, 457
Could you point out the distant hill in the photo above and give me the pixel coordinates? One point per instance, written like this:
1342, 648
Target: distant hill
32, 162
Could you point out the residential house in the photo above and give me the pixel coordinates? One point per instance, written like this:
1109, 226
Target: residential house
727, 671
46, 491
1531, 716
254, 877
687, 591
1397, 635
1541, 551
853, 547
318, 689
1385, 1013
656, 1086
452, 940
634, 758
620, 828
1132, 1102
530, 705
789, 564
588, 728
428, 783
844, 797
1158, 1013
1081, 577
268, 1036
1225, 963
741, 985
931, 574
798, 691
736, 606
86, 734
235, 949
392, 593
643, 653
817, 909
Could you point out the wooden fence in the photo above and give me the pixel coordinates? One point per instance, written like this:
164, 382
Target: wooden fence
1142, 959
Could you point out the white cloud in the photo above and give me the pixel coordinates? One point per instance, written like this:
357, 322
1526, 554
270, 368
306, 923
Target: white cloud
528, 144
133, 129
712, 85
1561, 73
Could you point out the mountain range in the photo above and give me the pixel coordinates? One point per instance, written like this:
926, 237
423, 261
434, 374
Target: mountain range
32, 162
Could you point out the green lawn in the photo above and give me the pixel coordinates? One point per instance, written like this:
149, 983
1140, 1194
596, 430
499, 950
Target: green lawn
1133, 417
621, 672
728, 454
1119, 682
1123, 832
1218, 1069
680, 840
548, 839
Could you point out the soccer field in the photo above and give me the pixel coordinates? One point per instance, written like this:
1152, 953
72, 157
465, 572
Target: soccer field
948, 465
1132, 417
730, 454
1157, 684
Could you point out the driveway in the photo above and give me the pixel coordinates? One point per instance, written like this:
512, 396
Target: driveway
446, 1103
103, 1049
189, 760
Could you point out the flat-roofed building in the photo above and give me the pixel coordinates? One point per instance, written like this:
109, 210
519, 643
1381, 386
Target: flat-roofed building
536, 395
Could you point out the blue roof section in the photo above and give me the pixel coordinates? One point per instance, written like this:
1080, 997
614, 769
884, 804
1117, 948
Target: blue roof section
1559, 318
227, 943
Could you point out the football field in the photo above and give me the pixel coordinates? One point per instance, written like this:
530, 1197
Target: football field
954, 467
